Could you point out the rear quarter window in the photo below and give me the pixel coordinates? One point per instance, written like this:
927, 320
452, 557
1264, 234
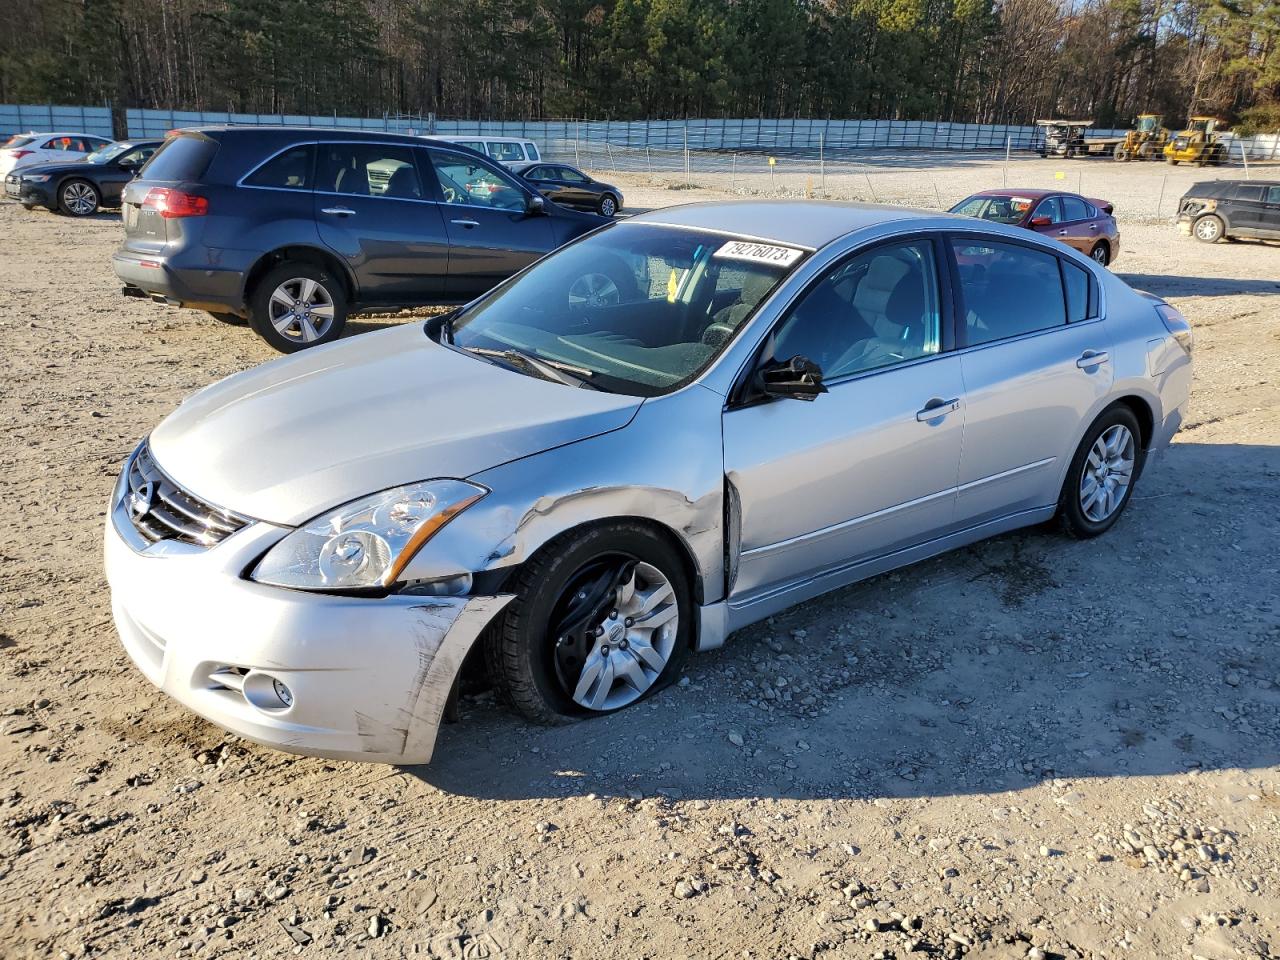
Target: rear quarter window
183, 157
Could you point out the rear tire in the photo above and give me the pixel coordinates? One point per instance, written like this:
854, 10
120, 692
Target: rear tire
1101, 253
78, 198
545, 645
1121, 154
1092, 476
298, 305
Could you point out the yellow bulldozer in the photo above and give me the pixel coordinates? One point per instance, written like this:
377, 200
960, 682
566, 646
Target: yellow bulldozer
1198, 144
1145, 141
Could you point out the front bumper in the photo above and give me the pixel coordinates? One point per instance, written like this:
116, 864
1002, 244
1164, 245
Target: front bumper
367, 678
28, 194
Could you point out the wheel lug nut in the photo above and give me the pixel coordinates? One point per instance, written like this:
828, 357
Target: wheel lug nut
613, 614
604, 650
629, 622
599, 631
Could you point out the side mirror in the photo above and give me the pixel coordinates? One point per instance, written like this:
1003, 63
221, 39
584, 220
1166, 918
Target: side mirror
1040, 222
534, 205
798, 378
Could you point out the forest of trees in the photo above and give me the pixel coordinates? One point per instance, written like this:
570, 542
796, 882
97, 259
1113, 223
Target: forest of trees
991, 61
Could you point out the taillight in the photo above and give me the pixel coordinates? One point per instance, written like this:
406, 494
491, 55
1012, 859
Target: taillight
171, 203
19, 154
1177, 325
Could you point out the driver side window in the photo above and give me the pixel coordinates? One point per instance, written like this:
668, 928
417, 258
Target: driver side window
874, 310
462, 181
1050, 207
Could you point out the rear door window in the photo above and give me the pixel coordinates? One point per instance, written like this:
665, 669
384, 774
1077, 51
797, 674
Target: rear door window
368, 170
290, 170
505, 152
184, 157
1075, 282
1008, 291
532, 151
1073, 208
1248, 193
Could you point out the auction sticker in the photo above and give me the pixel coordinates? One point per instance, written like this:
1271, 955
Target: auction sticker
759, 253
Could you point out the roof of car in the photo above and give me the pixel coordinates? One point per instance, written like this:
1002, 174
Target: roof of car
805, 223
334, 133
1035, 194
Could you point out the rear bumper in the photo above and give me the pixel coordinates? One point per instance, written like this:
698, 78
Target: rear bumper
366, 678
158, 277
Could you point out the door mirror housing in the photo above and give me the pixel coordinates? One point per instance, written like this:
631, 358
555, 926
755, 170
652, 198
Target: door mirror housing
1040, 222
534, 205
799, 378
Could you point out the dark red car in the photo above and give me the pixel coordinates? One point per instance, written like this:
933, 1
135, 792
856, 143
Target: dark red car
1087, 225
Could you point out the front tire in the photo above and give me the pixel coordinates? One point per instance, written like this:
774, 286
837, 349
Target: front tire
298, 305
603, 618
78, 198
1208, 229
1102, 474
608, 205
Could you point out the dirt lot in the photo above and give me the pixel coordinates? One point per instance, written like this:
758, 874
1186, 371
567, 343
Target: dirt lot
1030, 748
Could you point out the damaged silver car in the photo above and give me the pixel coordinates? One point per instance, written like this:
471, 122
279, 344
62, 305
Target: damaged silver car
673, 427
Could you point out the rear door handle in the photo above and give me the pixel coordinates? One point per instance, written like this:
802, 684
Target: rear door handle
937, 408
1062, 233
1091, 358
466, 223
339, 211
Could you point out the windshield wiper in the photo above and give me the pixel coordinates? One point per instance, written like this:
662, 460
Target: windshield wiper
548, 369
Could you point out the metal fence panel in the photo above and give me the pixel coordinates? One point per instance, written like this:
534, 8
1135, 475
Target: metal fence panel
21, 117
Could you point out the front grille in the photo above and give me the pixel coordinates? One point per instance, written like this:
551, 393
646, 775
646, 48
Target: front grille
159, 509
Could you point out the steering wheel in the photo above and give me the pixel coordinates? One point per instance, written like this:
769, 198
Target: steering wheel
717, 334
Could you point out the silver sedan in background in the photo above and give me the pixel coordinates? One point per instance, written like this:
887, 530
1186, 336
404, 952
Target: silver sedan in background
671, 428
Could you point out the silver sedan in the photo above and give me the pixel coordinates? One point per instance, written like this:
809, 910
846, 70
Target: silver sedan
673, 427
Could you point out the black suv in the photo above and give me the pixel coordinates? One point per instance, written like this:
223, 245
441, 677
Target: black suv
1215, 209
295, 228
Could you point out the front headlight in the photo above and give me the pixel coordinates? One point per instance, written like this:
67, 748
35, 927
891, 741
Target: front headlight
35, 177
367, 543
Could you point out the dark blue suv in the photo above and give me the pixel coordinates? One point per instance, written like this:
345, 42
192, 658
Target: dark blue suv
296, 228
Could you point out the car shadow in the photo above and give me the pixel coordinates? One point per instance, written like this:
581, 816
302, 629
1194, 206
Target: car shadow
1168, 285
1147, 652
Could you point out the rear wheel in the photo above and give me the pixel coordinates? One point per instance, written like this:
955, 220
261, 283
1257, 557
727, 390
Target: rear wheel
1101, 253
78, 198
603, 617
1103, 471
1121, 154
298, 305
1208, 229
1171, 161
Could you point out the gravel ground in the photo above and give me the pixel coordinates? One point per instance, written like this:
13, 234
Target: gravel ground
1030, 748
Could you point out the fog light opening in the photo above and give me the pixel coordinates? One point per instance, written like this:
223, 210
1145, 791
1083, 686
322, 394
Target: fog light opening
267, 693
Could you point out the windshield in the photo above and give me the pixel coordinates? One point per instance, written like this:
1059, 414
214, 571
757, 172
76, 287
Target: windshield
107, 153
1199, 126
17, 140
636, 308
995, 209
1147, 124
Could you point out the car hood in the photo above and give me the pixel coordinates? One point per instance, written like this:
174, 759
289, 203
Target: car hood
294, 437
54, 166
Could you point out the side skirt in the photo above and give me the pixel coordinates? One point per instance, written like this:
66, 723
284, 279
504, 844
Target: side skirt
718, 620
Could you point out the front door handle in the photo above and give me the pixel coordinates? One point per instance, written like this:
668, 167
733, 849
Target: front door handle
339, 211
937, 408
1062, 233
466, 223
1091, 358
